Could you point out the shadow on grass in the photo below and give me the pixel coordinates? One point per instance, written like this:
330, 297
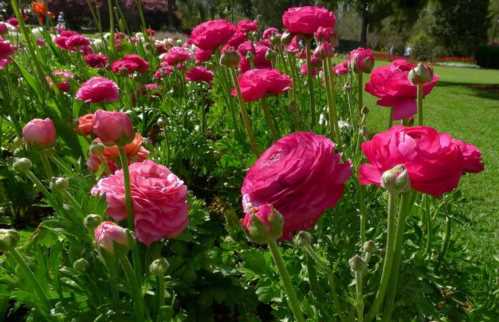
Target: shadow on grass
486, 91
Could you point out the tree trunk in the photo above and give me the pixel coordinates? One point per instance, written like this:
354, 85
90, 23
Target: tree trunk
365, 24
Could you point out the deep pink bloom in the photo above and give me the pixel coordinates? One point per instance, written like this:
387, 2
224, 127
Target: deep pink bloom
151, 86
294, 46
306, 20
202, 55
98, 90
13, 21
315, 69
40, 133
62, 38
323, 34
258, 83
392, 87
159, 200
237, 38
472, 157
62, 79
362, 60
96, 60
177, 55
300, 175
247, 25
76, 42
163, 71
6, 49
341, 68
262, 213
434, 161
199, 74
108, 233
3, 28
212, 34
130, 64
269, 32
323, 50
246, 47
113, 128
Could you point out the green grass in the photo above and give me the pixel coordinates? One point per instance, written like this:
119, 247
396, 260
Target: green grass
466, 105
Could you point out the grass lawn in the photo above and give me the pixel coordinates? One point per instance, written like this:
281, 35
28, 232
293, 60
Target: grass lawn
465, 103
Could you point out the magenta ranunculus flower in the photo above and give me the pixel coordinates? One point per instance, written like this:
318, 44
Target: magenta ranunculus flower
237, 38
301, 176
40, 133
434, 161
212, 34
202, 55
108, 233
247, 25
177, 55
163, 71
308, 19
361, 60
392, 87
96, 60
130, 64
199, 74
472, 157
269, 32
259, 83
159, 200
75, 42
341, 68
98, 90
323, 34
113, 128
6, 49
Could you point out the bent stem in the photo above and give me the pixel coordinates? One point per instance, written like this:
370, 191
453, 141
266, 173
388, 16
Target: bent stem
420, 93
286, 281
310, 82
389, 257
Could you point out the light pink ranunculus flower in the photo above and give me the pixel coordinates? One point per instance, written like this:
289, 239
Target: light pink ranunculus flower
40, 133
113, 128
98, 90
341, 68
301, 175
159, 200
108, 233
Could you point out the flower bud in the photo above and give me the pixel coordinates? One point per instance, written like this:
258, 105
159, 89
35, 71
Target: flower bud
324, 50
369, 247
230, 57
40, 133
275, 40
161, 122
108, 235
286, 37
91, 221
396, 180
263, 223
421, 74
361, 60
81, 265
22, 165
8, 239
59, 183
97, 148
113, 127
357, 264
159, 267
303, 238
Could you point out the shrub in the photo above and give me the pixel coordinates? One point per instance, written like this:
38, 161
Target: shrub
488, 56
423, 47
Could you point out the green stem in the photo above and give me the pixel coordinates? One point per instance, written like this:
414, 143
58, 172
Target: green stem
30, 277
161, 297
420, 103
286, 281
363, 214
269, 119
446, 241
360, 92
390, 120
38, 183
310, 82
427, 218
46, 164
128, 192
388, 260
138, 299
359, 285
331, 100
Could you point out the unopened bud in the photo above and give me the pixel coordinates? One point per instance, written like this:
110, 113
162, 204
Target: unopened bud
91, 221
159, 267
59, 183
8, 239
230, 58
22, 165
357, 264
161, 122
324, 50
263, 223
421, 74
396, 179
97, 148
286, 37
81, 265
369, 247
303, 238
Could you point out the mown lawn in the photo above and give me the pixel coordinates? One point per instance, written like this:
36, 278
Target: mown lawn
465, 103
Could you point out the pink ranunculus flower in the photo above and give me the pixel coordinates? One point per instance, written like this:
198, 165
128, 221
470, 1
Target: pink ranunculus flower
237, 38
247, 25
97, 60
159, 200
308, 19
202, 55
324, 34
40, 133
269, 32
62, 79
177, 55
256, 84
113, 128
6, 49
301, 176
361, 60
212, 34
163, 71
472, 157
3, 28
434, 161
13, 21
98, 90
199, 74
75, 42
130, 64
392, 87
108, 233
341, 68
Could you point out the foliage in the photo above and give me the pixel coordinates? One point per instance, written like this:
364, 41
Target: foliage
486, 56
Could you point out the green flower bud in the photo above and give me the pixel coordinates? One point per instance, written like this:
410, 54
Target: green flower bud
22, 165
421, 74
230, 58
59, 183
81, 265
92, 221
369, 247
396, 180
161, 122
97, 148
357, 264
263, 223
303, 238
8, 239
159, 266
286, 38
